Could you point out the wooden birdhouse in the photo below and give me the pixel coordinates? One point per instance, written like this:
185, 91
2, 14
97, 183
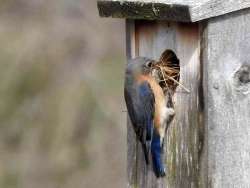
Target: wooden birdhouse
208, 142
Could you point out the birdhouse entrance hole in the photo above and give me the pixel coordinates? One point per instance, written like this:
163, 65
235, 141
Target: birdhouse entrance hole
167, 71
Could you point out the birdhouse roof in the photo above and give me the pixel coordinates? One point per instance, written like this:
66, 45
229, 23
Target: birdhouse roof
174, 10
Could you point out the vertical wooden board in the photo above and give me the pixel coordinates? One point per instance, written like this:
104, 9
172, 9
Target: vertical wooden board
144, 38
227, 69
203, 146
152, 39
187, 121
131, 138
182, 139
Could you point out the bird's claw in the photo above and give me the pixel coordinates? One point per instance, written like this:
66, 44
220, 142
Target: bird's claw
161, 173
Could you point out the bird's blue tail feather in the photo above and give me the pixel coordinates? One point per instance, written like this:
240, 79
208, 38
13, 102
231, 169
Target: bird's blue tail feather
156, 148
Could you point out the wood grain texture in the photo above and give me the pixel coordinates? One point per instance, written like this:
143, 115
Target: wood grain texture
182, 138
131, 137
213, 8
148, 11
227, 70
172, 10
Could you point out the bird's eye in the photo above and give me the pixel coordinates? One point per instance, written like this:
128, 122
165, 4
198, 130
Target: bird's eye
149, 64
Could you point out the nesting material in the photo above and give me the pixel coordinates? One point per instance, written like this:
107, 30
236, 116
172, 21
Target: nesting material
167, 71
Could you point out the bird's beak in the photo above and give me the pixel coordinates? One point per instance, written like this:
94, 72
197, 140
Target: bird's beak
153, 62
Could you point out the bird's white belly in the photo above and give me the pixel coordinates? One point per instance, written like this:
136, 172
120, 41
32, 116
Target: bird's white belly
165, 115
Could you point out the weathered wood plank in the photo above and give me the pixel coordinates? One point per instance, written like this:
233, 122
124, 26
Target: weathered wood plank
145, 40
227, 69
182, 139
203, 151
131, 137
213, 8
184, 134
140, 10
172, 10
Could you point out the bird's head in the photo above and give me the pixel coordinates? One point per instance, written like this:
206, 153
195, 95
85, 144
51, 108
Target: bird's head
139, 66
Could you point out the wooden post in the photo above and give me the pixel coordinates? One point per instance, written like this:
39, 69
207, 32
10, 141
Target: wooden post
207, 143
150, 39
227, 87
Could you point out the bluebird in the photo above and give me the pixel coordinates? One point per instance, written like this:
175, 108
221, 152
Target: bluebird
147, 109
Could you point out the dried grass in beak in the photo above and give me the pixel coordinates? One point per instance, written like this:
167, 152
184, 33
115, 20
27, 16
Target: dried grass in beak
167, 71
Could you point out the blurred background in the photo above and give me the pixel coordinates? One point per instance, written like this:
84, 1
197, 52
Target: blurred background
61, 89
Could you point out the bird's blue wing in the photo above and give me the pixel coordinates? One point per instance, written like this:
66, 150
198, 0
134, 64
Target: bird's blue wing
147, 104
140, 104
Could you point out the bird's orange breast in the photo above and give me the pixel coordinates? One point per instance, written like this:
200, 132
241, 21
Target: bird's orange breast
160, 102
